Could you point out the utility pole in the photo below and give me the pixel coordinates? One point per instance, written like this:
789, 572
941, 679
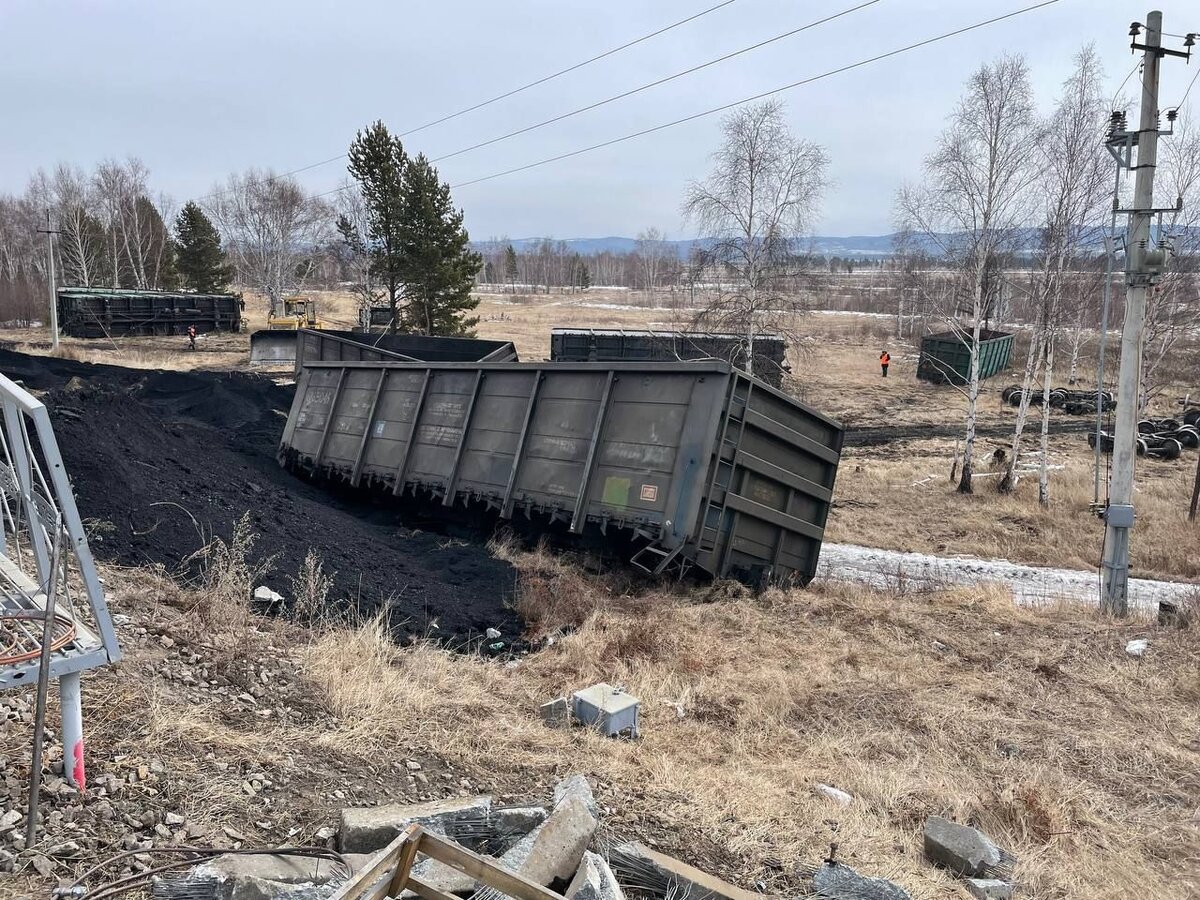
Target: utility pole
50, 233
1144, 262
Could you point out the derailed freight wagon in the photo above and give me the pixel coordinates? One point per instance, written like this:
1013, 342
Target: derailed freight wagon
619, 344
104, 312
682, 464
946, 357
295, 348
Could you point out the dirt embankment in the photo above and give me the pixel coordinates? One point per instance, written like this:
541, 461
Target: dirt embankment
164, 461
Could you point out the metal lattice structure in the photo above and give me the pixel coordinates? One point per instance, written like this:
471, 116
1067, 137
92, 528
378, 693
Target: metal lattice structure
54, 622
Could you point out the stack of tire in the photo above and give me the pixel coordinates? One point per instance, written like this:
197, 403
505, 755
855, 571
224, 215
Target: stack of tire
1161, 438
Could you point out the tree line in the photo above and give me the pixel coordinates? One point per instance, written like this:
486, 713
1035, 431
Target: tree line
392, 234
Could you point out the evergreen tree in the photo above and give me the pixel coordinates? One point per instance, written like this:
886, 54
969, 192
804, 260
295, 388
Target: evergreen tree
379, 164
439, 265
510, 266
585, 277
199, 260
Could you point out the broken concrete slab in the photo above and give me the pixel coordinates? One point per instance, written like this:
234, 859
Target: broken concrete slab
265, 877
368, 829
960, 848
576, 786
594, 881
634, 860
836, 881
282, 869
989, 889
554, 849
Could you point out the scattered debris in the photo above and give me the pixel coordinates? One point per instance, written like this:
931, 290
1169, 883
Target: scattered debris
837, 795
660, 875
1137, 647
594, 881
989, 889
960, 848
554, 849
837, 881
608, 709
493, 634
370, 829
267, 600
556, 713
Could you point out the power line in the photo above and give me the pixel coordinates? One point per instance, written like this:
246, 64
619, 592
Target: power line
579, 65
660, 81
506, 94
723, 108
1191, 84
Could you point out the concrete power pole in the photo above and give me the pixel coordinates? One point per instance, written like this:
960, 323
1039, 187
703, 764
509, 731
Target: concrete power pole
1143, 263
50, 233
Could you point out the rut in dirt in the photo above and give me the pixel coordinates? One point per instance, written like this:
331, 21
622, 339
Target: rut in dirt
162, 461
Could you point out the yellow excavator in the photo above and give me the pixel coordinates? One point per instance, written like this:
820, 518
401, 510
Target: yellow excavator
298, 312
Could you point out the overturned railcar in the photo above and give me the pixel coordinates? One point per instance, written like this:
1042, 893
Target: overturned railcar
683, 465
104, 312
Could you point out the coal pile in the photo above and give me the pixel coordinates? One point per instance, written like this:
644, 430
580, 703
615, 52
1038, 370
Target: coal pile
163, 461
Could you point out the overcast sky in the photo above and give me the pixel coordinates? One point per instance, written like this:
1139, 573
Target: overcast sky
200, 89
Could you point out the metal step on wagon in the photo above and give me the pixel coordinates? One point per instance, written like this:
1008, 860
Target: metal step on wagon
684, 465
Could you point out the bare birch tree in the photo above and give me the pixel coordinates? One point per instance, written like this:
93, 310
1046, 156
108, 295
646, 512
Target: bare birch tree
270, 226
651, 251
1071, 187
973, 201
760, 198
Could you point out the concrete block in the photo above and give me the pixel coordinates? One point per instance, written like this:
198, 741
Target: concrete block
443, 877
989, 889
554, 849
369, 829
606, 708
556, 713
261, 877
676, 876
594, 881
839, 882
576, 786
514, 822
960, 848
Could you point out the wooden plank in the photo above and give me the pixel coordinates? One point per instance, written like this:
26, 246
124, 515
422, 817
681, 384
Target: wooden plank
405, 862
428, 891
483, 869
693, 881
357, 887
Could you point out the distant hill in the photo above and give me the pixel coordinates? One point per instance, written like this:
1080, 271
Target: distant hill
853, 246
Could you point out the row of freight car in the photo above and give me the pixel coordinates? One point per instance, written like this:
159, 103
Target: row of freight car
678, 466
103, 312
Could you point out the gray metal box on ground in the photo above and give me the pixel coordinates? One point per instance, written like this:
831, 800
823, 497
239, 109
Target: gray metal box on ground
606, 708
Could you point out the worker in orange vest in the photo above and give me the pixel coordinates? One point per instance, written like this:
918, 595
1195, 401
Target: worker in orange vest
885, 360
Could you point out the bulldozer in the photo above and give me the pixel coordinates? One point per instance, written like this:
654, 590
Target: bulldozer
298, 312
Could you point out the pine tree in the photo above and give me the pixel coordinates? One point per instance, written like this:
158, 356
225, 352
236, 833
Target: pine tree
585, 277
439, 265
510, 266
199, 260
379, 164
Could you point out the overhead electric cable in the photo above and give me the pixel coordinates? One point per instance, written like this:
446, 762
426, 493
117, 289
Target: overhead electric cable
727, 106
506, 94
653, 84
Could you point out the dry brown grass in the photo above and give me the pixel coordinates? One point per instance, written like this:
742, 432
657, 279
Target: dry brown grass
1035, 726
